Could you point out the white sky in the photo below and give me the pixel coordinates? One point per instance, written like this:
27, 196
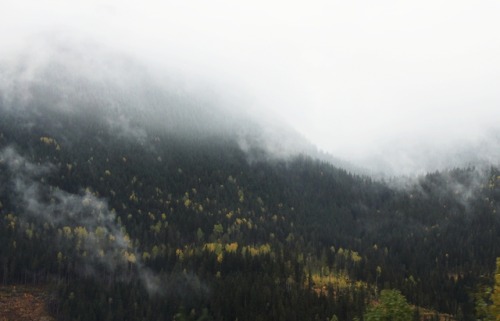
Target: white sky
357, 78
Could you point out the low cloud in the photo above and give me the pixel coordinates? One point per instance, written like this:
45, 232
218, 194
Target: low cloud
369, 84
133, 100
463, 186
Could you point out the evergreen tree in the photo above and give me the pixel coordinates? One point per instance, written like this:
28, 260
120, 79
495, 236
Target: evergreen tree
392, 306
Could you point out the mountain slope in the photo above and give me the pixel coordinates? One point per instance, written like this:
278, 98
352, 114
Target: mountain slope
198, 216
138, 209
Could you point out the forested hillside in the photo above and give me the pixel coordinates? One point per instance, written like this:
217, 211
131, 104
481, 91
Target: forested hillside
192, 227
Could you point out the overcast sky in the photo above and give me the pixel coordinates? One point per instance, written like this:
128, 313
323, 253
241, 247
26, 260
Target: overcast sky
357, 78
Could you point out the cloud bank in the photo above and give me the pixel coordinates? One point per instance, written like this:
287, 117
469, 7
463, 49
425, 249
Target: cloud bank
399, 85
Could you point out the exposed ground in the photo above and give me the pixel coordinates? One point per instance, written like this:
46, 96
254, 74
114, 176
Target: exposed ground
23, 303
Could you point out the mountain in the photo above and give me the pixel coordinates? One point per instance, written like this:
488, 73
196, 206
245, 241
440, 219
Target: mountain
133, 99
132, 199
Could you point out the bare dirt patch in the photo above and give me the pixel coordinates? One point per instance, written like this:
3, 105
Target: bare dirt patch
23, 303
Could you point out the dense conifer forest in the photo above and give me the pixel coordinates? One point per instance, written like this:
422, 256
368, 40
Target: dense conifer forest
180, 227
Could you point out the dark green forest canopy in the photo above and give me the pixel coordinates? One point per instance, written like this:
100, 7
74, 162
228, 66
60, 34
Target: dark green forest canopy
148, 225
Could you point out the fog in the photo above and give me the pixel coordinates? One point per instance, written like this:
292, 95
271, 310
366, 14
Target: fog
394, 87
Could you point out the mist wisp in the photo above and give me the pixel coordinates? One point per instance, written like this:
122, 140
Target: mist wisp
83, 220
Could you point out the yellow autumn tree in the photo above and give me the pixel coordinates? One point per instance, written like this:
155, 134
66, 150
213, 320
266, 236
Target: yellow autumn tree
488, 299
495, 307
